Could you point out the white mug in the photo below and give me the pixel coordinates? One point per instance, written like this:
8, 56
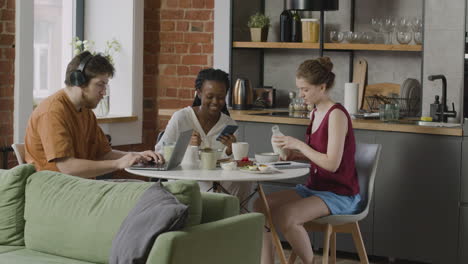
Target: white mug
240, 150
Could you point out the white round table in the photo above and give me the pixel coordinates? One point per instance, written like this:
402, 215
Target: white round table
192, 172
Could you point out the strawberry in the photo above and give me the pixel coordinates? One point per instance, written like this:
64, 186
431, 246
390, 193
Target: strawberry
245, 159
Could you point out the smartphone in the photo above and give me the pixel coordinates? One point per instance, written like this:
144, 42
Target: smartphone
227, 130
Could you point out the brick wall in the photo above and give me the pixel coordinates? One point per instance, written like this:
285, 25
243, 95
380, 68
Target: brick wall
7, 78
178, 42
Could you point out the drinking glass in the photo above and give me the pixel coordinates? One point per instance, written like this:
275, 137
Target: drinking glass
336, 36
418, 37
404, 37
388, 25
102, 109
417, 24
376, 24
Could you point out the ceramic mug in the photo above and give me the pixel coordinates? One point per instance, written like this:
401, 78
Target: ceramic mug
208, 159
240, 150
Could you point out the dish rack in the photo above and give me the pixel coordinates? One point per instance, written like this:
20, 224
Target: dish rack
409, 107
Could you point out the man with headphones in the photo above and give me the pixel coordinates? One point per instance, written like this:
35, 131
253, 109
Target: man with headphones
63, 134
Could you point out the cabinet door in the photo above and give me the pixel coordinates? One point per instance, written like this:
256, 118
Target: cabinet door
464, 173
463, 252
417, 192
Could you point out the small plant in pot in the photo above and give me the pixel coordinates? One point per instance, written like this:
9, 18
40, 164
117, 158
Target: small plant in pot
259, 25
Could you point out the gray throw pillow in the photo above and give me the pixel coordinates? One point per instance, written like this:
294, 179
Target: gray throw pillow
156, 212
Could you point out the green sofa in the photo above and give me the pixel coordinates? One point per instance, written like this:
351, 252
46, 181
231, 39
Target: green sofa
49, 217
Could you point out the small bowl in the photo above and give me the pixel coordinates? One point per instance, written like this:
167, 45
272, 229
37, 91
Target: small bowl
231, 165
263, 167
266, 157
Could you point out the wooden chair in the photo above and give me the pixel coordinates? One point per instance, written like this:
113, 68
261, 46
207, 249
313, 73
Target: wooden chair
367, 159
18, 148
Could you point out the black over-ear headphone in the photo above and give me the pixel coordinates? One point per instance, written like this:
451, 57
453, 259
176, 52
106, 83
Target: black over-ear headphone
78, 78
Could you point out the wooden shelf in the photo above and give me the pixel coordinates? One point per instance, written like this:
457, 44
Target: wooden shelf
327, 46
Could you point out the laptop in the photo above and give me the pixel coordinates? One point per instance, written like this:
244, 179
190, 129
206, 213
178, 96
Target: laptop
176, 157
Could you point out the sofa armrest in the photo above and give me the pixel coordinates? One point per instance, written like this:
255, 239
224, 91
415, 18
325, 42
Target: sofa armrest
232, 240
218, 206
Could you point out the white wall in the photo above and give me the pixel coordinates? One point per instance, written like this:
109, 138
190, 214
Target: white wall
122, 20
23, 68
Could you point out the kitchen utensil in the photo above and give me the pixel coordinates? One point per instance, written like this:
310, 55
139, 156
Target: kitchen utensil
242, 95
360, 77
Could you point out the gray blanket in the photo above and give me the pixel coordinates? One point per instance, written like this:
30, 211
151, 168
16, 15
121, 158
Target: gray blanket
156, 212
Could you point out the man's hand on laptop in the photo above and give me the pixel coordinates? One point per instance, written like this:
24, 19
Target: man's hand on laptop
138, 157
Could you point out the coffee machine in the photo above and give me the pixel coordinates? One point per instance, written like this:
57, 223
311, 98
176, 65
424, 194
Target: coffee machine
242, 95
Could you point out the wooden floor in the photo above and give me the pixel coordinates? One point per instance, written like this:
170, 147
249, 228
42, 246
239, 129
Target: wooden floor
346, 258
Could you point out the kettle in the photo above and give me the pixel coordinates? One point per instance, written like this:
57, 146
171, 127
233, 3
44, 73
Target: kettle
242, 95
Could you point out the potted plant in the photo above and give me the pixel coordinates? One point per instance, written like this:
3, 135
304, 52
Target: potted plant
259, 25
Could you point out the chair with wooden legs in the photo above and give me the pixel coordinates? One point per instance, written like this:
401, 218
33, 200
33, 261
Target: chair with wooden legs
367, 159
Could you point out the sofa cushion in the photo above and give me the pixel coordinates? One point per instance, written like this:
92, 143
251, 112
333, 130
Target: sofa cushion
12, 186
78, 218
4, 249
27, 256
188, 193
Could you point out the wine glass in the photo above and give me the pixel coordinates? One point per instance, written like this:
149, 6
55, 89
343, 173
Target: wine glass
336, 36
388, 25
376, 24
417, 24
418, 37
404, 37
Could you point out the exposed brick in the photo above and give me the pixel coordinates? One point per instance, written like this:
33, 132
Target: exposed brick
198, 3
196, 27
171, 3
9, 53
209, 4
167, 26
209, 27
171, 37
182, 70
181, 48
169, 69
149, 69
5, 117
169, 59
7, 129
171, 92
185, 93
11, 4
194, 70
6, 104
187, 82
194, 60
152, 25
198, 37
198, 15
169, 82
8, 40
172, 14
7, 91
195, 48
185, 3
167, 48
207, 49
3, 3
6, 66
7, 15
8, 27
182, 26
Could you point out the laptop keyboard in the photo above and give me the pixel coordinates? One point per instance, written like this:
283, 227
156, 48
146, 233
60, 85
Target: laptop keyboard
152, 165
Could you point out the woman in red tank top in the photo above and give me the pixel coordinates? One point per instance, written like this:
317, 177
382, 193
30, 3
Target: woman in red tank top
332, 186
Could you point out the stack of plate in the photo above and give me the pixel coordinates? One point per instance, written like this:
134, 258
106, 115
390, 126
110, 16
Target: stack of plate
411, 93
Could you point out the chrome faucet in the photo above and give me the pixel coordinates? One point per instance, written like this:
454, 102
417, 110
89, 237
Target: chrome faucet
443, 112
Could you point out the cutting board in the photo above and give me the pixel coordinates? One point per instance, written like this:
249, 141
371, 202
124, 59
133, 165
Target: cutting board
382, 89
360, 77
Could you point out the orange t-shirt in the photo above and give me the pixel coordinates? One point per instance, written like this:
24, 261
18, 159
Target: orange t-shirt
57, 130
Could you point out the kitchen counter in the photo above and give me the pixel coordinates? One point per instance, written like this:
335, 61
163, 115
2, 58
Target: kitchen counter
364, 124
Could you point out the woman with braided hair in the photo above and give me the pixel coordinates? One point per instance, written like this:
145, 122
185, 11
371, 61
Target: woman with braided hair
207, 116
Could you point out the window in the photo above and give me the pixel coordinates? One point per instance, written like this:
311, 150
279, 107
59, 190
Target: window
53, 31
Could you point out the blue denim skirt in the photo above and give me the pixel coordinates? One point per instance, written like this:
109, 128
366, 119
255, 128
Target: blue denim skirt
338, 204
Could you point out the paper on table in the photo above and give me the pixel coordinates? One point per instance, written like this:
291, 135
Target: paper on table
351, 91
